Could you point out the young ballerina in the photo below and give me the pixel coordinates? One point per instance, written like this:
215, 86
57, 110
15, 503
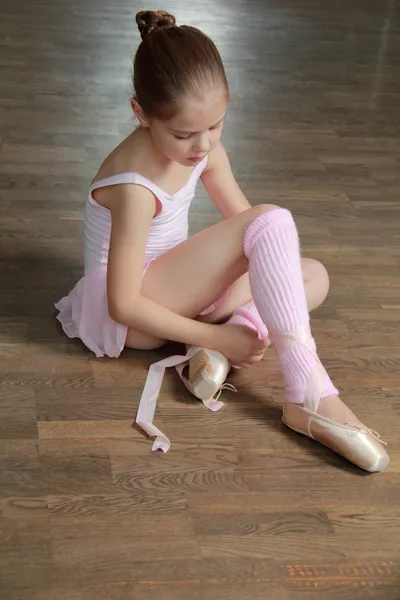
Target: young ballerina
229, 289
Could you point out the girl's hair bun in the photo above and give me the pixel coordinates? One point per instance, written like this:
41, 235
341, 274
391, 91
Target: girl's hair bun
150, 21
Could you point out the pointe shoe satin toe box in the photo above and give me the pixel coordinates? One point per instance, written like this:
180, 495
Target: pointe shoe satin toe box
208, 372
360, 445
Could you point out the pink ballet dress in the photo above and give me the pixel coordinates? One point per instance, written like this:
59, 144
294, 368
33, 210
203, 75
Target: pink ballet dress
84, 312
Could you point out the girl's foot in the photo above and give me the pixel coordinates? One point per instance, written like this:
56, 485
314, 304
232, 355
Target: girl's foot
208, 371
319, 413
336, 426
316, 410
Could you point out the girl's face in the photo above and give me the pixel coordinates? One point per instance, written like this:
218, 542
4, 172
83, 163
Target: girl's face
189, 136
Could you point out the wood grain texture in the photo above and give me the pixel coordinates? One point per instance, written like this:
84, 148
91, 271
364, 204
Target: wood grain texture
240, 507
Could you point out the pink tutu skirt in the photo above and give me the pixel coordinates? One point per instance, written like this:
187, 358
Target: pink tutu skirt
84, 314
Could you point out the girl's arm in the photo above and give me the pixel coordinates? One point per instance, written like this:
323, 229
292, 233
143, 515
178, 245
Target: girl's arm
132, 210
221, 185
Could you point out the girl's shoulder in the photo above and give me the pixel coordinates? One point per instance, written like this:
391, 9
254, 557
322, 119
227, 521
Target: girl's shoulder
130, 156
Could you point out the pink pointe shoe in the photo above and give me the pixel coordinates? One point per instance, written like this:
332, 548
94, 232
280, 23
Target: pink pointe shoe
357, 443
354, 441
208, 371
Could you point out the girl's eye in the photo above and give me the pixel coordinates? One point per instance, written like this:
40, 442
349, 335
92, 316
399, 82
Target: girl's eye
180, 137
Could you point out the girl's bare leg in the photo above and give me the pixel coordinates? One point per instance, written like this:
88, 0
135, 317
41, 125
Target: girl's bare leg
193, 275
316, 282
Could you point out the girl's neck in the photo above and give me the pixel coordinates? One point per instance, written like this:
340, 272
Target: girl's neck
154, 151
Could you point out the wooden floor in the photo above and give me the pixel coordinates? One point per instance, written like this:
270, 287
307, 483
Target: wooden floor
240, 507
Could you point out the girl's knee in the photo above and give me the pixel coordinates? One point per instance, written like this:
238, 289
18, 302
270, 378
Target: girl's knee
323, 277
317, 278
261, 209
319, 273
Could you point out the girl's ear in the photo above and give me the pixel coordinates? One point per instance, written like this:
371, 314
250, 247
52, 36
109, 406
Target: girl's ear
138, 111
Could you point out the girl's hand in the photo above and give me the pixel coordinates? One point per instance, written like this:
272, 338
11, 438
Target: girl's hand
240, 345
